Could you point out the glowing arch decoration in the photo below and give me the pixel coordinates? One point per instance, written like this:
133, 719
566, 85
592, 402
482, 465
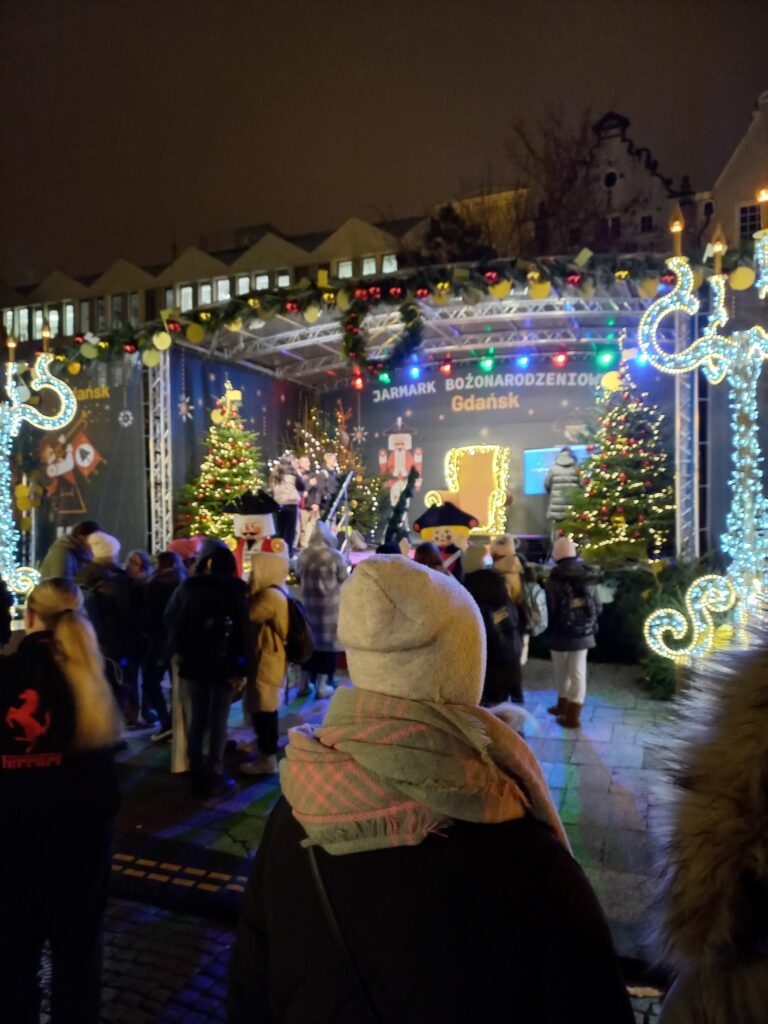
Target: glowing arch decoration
738, 359
13, 412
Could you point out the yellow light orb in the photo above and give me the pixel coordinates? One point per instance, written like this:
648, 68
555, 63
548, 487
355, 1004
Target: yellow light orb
74, 369
611, 381
161, 340
195, 333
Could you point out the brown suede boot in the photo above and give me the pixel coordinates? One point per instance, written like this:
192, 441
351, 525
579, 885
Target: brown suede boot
559, 708
571, 718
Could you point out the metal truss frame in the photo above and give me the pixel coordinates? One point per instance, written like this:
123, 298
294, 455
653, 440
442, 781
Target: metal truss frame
159, 458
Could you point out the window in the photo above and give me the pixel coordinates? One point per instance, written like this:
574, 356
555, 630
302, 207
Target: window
389, 263
615, 227
101, 313
283, 279
134, 304
54, 322
23, 325
69, 319
85, 316
646, 223
37, 323
8, 321
344, 268
369, 265
749, 221
186, 297
261, 282
206, 293
118, 310
243, 284
169, 296
222, 289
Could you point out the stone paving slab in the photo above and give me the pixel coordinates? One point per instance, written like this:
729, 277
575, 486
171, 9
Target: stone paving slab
603, 777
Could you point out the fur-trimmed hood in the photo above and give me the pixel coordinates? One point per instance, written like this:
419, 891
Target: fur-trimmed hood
712, 897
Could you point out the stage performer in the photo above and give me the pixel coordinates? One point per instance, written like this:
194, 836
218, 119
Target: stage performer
287, 489
563, 477
449, 528
573, 606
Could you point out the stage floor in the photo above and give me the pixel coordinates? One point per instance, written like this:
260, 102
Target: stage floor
181, 852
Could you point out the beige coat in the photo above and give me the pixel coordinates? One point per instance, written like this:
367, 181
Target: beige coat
268, 614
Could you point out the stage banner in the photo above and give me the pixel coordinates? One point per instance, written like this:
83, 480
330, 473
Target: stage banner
269, 407
533, 412
94, 467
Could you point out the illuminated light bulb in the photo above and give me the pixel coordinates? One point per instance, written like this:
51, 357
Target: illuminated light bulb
488, 362
446, 366
385, 377
606, 358
523, 362
358, 383
642, 359
560, 359
414, 372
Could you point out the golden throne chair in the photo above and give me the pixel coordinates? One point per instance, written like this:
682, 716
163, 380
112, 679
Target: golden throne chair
476, 478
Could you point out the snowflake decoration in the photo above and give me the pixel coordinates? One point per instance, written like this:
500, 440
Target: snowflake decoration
125, 419
185, 407
359, 434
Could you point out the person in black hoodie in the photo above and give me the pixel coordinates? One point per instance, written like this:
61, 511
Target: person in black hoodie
109, 602
207, 619
573, 607
504, 629
59, 725
156, 595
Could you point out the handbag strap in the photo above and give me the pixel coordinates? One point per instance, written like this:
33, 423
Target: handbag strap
339, 939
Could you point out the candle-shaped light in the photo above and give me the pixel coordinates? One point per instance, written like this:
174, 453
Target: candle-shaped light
676, 225
45, 334
719, 246
11, 344
762, 200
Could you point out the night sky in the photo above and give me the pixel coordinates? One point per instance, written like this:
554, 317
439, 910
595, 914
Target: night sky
125, 124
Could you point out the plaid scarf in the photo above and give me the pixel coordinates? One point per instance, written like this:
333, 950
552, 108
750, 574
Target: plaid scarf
383, 771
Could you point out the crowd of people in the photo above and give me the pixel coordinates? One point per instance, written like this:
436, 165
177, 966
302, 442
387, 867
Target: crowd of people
417, 782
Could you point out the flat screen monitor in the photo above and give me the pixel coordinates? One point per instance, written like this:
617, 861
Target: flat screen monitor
537, 461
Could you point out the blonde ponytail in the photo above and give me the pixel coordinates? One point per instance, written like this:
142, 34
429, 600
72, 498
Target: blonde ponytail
58, 604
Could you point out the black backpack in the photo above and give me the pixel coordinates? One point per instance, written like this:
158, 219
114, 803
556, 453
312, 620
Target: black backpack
299, 644
577, 610
502, 634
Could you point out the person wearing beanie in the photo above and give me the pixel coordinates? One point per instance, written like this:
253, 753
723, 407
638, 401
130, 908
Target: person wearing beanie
69, 553
110, 607
365, 900
267, 662
573, 607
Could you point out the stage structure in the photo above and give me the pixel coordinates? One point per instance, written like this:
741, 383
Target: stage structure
13, 411
737, 358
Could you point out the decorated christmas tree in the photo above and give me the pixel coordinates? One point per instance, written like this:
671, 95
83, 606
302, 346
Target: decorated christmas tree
366, 493
627, 506
232, 465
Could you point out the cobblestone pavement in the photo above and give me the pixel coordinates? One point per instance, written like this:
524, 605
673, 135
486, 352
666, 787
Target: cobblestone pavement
163, 967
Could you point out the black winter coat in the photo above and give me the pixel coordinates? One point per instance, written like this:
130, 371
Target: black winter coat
573, 606
504, 627
156, 594
207, 619
111, 607
47, 790
434, 941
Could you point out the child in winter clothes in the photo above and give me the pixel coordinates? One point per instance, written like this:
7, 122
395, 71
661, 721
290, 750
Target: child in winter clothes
268, 615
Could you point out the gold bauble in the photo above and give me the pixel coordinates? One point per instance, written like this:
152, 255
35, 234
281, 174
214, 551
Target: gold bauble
195, 333
501, 289
539, 289
234, 325
343, 299
162, 339
648, 287
151, 357
74, 369
312, 312
611, 381
741, 279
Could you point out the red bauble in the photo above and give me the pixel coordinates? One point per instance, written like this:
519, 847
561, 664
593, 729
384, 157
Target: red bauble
591, 447
584, 517
422, 293
361, 294
491, 276
291, 306
622, 478
632, 440
604, 466
641, 518
585, 480
648, 483
619, 511
646, 464
636, 534
374, 292
604, 510
396, 292
625, 451
219, 462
